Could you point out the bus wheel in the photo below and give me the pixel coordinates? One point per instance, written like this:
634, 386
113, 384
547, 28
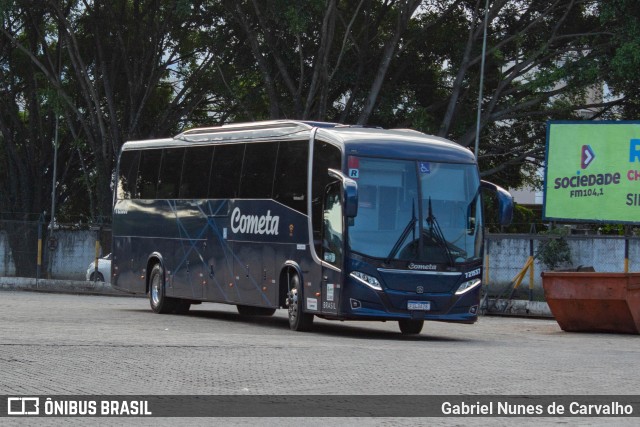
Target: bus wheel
248, 310
410, 327
159, 302
298, 319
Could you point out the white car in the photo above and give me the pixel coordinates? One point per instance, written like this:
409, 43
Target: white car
104, 270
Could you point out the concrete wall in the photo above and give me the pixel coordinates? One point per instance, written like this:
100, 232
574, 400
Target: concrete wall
70, 259
506, 255
75, 251
7, 267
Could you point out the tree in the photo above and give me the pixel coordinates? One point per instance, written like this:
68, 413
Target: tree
540, 65
26, 126
311, 55
117, 71
620, 58
108, 72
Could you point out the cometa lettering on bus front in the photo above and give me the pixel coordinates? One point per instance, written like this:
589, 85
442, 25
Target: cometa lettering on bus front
254, 224
413, 266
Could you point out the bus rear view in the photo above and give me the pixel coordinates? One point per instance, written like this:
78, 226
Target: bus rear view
381, 225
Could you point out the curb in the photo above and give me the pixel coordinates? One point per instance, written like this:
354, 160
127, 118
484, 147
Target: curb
59, 286
520, 308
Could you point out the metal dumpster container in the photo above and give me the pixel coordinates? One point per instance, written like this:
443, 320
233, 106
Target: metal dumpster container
594, 302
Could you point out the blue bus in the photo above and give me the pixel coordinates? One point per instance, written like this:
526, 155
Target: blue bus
335, 221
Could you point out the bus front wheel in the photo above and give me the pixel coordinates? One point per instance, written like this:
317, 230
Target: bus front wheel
298, 319
410, 327
159, 302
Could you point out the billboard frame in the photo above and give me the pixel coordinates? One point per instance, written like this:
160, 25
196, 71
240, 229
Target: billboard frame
549, 123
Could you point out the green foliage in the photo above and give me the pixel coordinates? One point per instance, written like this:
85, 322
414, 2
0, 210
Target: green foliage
612, 229
525, 220
555, 252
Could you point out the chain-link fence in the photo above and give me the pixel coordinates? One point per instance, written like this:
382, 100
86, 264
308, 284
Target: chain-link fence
36, 249
513, 262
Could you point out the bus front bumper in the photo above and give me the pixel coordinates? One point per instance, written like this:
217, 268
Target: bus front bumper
364, 303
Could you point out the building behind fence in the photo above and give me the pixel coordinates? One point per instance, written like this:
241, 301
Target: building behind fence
67, 251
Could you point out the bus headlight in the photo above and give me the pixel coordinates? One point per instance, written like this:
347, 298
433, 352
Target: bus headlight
467, 286
370, 281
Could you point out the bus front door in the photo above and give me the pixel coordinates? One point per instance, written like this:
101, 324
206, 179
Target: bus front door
332, 250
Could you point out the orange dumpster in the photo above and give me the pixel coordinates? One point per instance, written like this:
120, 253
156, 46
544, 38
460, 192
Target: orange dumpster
594, 302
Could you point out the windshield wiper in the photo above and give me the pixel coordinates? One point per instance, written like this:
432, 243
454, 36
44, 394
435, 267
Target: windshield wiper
410, 226
436, 232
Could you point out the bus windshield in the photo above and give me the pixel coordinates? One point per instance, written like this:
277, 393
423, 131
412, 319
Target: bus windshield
416, 211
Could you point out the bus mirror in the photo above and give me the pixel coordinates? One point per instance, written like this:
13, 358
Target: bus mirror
505, 202
350, 198
350, 191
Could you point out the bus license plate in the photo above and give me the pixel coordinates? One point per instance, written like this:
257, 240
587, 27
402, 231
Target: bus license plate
419, 305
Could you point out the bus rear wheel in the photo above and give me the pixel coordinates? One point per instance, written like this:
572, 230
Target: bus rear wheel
298, 319
248, 310
410, 326
159, 302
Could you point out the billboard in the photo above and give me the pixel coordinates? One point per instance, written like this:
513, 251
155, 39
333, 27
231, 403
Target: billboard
592, 172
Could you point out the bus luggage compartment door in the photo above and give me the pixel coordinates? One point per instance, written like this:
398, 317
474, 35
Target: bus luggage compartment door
253, 272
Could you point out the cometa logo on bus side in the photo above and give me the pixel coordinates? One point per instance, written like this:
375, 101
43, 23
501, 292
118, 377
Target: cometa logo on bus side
254, 224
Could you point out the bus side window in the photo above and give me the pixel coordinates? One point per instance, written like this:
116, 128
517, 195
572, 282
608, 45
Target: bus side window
170, 171
128, 173
148, 173
257, 170
325, 156
290, 182
195, 172
225, 171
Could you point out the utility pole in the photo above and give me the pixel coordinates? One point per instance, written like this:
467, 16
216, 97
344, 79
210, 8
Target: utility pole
484, 51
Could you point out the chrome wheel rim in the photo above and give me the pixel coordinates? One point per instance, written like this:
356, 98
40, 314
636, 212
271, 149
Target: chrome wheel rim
155, 290
293, 305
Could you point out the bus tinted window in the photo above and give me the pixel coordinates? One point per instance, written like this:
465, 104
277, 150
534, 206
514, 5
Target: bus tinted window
148, 173
128, 173
225, 172
325, 156
257, 170
195, 173
170, 171
290, 186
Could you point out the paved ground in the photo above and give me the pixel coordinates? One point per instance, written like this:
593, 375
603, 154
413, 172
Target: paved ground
53, 344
